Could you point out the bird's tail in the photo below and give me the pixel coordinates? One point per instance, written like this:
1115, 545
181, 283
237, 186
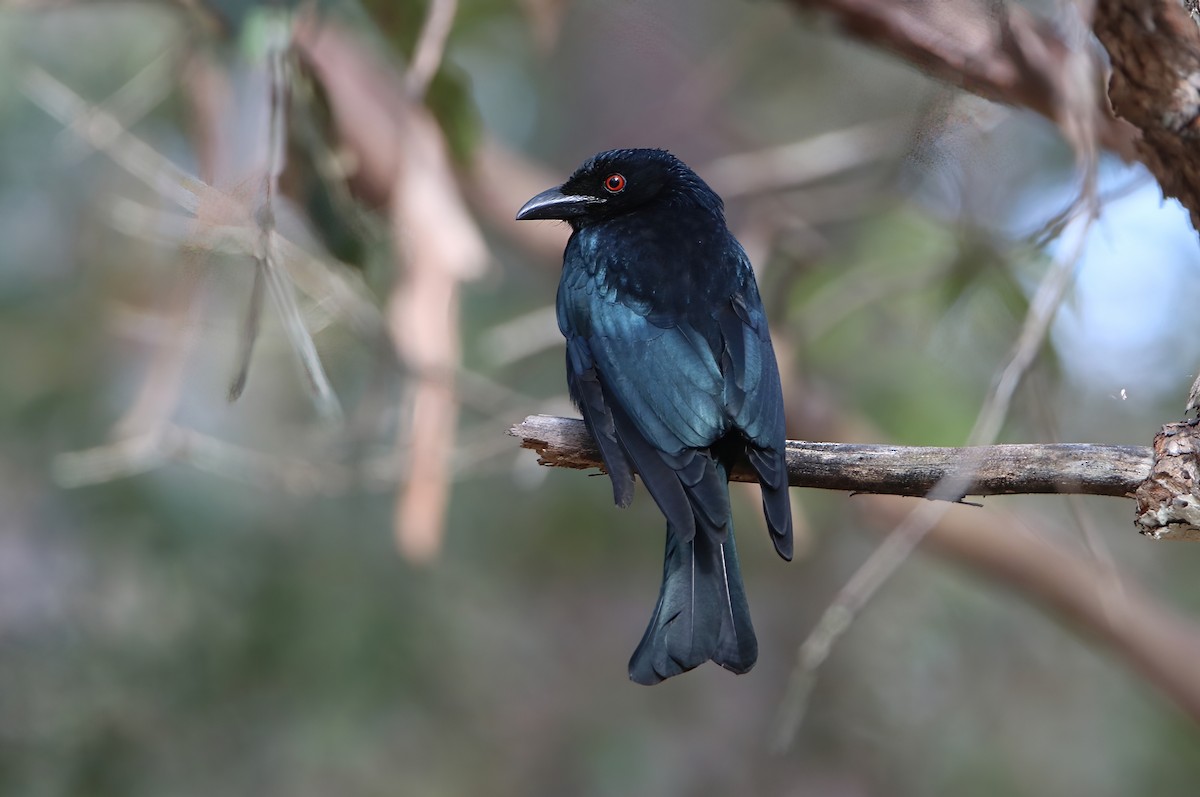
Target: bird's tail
701, 614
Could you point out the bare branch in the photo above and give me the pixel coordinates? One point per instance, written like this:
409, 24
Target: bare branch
1152, 640
1080, 468
1001, 52
266, 254
107, 134
427, 55
210, 206
1149, 636
954, 484
403, 155
801, 162
136, 98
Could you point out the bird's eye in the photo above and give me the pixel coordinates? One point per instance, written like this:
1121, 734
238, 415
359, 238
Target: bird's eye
614, 183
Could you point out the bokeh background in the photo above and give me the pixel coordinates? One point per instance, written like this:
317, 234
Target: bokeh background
201, 597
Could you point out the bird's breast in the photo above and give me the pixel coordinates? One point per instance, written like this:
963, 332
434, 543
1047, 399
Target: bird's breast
663, 269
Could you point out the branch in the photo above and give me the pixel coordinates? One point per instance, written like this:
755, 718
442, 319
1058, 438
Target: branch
1151, 638
402, 154
1004, 53
1154, 46
430, 47
1001, 52
897, 470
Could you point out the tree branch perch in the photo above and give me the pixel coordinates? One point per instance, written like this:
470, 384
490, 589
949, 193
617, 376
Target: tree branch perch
1080, 468
1164, 480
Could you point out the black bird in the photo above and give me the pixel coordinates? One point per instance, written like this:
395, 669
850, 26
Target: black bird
670, 362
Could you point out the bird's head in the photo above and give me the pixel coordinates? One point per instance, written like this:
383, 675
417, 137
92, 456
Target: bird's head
619, 181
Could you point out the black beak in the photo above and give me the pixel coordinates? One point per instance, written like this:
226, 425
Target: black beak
554, 204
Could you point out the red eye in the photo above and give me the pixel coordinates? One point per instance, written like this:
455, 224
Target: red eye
614, 183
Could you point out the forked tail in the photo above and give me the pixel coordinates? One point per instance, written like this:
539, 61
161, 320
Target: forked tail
701, 613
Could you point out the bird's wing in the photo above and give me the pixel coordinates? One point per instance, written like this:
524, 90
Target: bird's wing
657, 394
665, 378
584, 386
754, 399
653, 398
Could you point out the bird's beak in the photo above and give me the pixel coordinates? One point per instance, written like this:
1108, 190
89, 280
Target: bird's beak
554, 204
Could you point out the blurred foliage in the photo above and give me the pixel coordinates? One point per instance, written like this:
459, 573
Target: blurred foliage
188, 633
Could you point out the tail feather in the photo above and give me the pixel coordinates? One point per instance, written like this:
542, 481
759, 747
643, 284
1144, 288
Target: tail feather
701, 614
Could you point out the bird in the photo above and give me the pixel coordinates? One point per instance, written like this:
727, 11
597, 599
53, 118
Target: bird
670, 362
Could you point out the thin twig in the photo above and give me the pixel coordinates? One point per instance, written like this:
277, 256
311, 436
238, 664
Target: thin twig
127, 105
173, 443
431, 44
903, 540
162, 387
1092, 538
321, 279
278, 285
1042, 307
106, 134
250, 328
802, 162
523, 336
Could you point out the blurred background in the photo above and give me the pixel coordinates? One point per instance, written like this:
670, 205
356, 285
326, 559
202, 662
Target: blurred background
351, 580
